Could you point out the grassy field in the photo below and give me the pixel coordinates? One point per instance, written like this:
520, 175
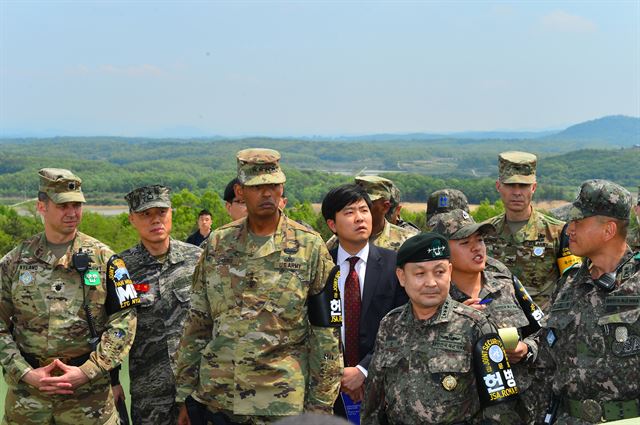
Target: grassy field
124, 378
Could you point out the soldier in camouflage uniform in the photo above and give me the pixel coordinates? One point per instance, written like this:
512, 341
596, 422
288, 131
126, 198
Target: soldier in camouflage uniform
422, 371
383, 234
527, 241
249, 350
491, 291
56, 366
593, 329
162, 269
445, 200
393, 215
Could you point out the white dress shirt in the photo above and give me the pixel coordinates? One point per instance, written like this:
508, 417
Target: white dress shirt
342, 260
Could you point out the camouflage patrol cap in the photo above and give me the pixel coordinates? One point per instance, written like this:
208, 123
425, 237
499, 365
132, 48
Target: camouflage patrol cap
446, 200
145, 197
426, 246
60, 185
458, 224
601, 197
377, 187
517, 167
259, 166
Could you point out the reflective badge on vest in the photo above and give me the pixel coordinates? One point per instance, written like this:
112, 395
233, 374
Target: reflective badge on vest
494, 377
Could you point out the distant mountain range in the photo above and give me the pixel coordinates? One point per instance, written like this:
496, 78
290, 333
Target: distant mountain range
609, 131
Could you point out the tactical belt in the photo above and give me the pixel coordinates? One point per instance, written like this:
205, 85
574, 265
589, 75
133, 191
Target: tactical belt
604, 411
35, 363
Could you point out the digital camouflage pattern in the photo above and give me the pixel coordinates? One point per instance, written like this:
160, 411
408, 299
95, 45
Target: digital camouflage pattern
517, 167
145, 197
259, 166
505, 312
248, 348
601, 197
60, 185
391, 237
164, 289
415, 360
42, 299
593, 337
445, 200
531, 253
458, 224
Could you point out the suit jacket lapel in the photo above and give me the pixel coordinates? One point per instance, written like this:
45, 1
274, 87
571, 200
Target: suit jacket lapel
371, 278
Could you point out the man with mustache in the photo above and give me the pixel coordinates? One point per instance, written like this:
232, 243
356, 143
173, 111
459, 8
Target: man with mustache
527, 241
436, 360
162, 269
66, 316
256, 345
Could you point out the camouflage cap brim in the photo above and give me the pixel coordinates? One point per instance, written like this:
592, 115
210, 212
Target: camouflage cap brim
61, 198
576, 213
277, 177
520, 179
466, 231
154, 204
375, 197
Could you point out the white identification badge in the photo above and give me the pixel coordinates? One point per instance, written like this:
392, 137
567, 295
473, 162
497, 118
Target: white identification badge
26, 278
538, 251
551, 338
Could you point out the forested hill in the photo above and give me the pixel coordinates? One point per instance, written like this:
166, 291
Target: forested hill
110, 167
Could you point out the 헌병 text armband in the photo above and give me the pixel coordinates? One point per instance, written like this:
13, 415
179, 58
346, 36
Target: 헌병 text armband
325, 309
494, 376
531, 310
121, 293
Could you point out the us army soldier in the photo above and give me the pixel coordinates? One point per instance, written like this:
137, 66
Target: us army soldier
528, 241
162, 269
436, 360
253, 348
593, 329
66, 316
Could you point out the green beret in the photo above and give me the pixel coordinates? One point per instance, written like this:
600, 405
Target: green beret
423, 247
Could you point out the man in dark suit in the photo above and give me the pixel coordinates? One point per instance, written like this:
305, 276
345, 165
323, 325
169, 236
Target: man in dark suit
369, 288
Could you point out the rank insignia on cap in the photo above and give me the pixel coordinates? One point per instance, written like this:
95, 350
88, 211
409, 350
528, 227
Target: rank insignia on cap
449, 383
443, 201
436, 248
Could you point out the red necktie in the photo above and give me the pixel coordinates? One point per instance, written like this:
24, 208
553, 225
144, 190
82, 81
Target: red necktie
352, 315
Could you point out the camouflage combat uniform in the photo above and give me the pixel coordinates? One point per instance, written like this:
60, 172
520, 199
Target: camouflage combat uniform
42, 318
531, 254
505, 312
415, 361
391, 237
248, 349
595, 344
592, 332
164, 289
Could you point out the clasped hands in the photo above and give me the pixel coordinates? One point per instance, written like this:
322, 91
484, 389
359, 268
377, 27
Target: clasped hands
56, 378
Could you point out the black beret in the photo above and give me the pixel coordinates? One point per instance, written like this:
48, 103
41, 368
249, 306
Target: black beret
423, 247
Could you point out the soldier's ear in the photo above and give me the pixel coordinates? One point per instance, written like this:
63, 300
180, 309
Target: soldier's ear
400, 275
534, 186
238, 190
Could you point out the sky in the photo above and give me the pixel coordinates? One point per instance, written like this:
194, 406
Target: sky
305, 68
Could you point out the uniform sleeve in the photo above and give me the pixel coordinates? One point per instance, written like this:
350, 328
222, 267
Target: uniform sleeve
12, 362
373, 412
196, 334
325, 356
120, 328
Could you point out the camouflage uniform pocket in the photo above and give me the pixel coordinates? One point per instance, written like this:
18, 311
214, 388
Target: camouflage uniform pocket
622, 333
